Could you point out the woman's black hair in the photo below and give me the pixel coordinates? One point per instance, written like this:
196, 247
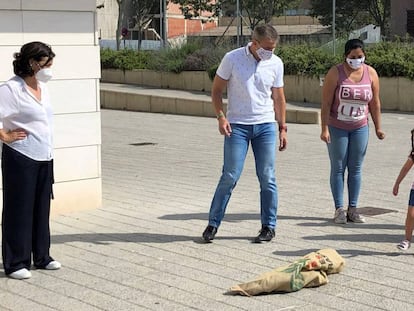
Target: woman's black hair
352, 45
412, 144
32, 50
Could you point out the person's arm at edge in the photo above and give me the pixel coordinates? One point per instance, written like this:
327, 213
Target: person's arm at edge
279, 103
219, 85
375, 103
328, 92
404, 171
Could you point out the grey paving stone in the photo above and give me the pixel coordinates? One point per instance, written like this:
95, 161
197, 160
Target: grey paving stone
141, 250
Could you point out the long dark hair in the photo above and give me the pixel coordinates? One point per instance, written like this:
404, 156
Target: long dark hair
412, 144
32, 50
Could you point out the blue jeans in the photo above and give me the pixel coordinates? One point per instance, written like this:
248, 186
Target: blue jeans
263, 140
347, 151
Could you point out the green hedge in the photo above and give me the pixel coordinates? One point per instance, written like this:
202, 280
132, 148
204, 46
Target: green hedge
306, 60
124, 59
188, 57
390, 59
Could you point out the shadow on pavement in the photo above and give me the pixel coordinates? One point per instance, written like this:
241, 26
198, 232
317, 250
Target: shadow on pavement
368, 237
109, 238
234, 217
204, 216
343, 252
311, 221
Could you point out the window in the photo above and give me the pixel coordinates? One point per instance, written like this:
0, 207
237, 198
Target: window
410, 22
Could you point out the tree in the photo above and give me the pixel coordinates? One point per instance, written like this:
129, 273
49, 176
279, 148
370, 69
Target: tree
194, 8
352, 14
135, 14
121, 14
380, 10
264, 10
346, 14
142, 12
256, 11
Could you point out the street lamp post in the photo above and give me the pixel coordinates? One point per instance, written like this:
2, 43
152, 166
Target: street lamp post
161, 19
163, 22
333, 27
238, 22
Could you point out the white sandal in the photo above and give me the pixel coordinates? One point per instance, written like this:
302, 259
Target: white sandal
404, 245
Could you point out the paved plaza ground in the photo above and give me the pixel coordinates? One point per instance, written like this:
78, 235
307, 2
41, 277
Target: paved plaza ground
142, 250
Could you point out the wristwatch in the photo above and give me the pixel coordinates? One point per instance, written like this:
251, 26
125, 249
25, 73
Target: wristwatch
283, 127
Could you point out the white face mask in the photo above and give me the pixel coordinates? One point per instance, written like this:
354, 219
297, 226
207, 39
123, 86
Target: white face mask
44, 74
264, 54
355, 63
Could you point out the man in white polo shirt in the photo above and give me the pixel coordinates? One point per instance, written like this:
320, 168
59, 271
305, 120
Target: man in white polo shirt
253, 77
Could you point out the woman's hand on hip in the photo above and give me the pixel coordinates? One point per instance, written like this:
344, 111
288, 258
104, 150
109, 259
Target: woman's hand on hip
13, 135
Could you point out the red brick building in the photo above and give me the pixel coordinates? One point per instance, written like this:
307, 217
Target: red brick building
177, 25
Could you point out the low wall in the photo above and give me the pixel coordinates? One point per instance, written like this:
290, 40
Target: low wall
186, 80
144, 99
396, 93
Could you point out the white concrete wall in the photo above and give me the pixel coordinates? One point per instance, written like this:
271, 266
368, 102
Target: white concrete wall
70, 27
107, 19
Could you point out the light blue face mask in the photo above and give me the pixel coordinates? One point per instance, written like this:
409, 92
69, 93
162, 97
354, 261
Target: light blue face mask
355, 63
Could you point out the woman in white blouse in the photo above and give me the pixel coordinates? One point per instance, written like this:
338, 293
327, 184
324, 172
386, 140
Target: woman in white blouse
27, 162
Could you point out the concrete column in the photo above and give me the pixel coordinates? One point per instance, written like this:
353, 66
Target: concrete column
70, 28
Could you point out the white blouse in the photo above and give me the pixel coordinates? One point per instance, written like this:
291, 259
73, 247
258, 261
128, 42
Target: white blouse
19, 108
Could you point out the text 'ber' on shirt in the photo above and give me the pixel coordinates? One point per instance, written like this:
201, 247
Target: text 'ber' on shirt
249, 86
20, 109
350, 107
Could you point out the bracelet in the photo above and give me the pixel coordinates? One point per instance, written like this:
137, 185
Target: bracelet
220, 115
283, 127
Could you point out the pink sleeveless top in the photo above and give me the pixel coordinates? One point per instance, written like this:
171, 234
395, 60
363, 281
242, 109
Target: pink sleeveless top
349, 110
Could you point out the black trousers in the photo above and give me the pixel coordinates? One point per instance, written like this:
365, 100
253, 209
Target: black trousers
27, 190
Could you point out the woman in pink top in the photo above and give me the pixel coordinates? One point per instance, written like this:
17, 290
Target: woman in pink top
350, 92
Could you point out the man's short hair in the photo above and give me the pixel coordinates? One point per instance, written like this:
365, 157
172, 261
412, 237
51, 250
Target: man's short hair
265, 31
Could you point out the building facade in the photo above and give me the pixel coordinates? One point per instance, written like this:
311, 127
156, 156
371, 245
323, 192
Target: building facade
402, 18
70, 28
176, 24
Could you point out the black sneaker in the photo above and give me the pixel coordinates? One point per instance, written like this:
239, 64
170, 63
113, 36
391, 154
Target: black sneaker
266, 234
209, 233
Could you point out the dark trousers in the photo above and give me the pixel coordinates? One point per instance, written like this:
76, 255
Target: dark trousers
27, 190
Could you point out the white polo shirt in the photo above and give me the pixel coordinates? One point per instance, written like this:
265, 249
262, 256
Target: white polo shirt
249, 86
20, 109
